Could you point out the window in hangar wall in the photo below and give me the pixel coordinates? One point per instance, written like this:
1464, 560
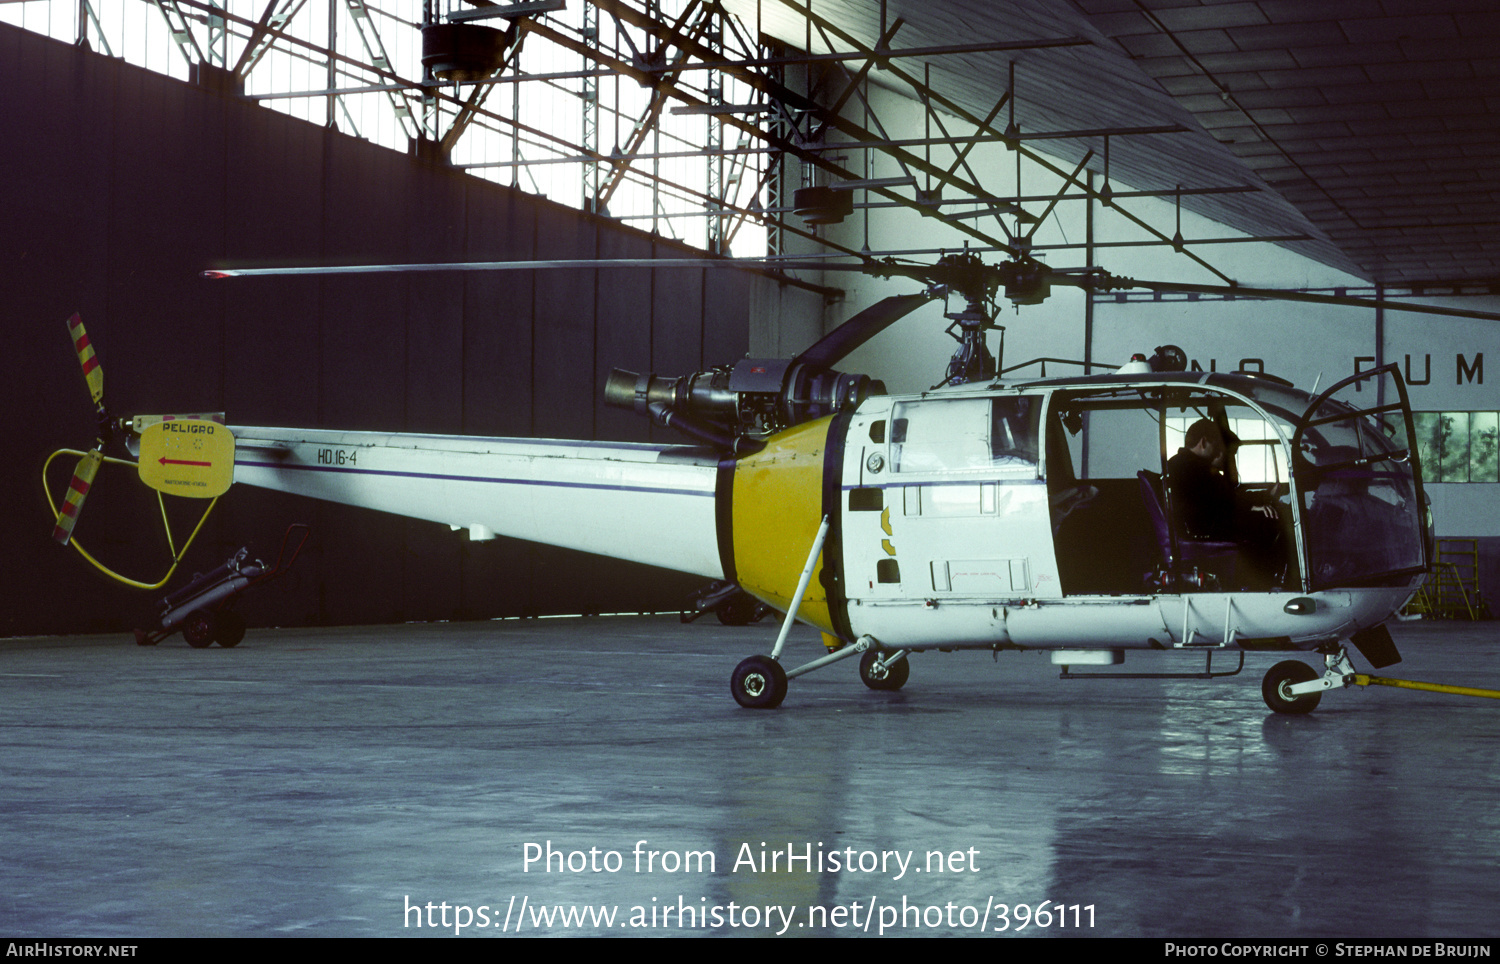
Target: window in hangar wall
540, 127
1458, 446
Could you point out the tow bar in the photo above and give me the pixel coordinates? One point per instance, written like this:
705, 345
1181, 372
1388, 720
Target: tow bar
1362, 679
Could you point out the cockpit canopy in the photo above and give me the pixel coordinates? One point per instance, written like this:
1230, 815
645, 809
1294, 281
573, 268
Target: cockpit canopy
1340, 466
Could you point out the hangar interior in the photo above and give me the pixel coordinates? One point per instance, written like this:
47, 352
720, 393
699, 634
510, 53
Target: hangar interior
331, 775
1347, 149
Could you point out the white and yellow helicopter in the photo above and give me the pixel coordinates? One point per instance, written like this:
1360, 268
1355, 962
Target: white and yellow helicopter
991, 513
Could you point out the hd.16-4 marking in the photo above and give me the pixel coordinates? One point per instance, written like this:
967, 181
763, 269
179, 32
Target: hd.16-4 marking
338, 457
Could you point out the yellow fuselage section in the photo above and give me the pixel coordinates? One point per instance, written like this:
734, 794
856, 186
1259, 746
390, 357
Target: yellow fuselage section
777, 506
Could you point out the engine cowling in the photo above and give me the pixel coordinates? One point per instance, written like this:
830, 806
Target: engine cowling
754, 399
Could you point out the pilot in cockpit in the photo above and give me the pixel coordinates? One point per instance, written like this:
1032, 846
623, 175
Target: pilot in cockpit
1209, 503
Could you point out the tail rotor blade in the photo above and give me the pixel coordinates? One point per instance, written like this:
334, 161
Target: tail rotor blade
78, 489
92, 372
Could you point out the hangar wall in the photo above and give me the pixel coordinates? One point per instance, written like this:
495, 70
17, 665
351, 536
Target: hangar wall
121, 185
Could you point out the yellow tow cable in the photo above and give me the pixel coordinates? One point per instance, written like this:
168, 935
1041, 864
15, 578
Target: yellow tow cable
166, 525
1360, 679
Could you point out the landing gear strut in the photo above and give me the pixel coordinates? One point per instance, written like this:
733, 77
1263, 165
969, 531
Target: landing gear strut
1294, 687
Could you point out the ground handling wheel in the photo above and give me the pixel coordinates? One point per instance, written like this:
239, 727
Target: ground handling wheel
229, 628
738, 610
198, 629
758, 683
878, 677
1282, 675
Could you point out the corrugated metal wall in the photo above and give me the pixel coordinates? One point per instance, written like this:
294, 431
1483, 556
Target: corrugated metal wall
117, 186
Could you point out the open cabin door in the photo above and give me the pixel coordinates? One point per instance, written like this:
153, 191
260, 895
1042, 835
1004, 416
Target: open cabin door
1359, 483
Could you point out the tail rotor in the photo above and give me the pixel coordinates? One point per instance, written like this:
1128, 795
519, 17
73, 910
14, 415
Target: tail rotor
88, 465
190, 456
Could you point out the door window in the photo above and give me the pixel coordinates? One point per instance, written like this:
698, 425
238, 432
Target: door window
1360, 483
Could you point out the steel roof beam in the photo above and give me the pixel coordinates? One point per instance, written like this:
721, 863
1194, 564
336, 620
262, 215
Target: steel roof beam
780, 93
962, 159
272, 25
959, 111
883, 56
646, 124
670, 88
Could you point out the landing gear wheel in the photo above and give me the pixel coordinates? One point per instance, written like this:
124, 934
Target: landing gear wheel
199, 630
1282, 675
758, 683
229, 629
878, 677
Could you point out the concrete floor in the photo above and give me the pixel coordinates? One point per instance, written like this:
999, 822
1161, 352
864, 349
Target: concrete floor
340, 781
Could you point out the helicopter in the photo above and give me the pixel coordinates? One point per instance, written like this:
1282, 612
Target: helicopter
990, 512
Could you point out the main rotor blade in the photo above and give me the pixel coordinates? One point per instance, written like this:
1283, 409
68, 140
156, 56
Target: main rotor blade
859, 329
1273, 294
751, 264
78, 489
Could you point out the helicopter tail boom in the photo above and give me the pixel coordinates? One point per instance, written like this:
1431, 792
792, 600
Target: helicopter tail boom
644, 503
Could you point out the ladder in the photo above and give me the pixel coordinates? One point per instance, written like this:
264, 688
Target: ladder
1451, 590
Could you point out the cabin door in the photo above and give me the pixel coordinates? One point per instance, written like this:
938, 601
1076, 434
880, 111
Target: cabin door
1359, 483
